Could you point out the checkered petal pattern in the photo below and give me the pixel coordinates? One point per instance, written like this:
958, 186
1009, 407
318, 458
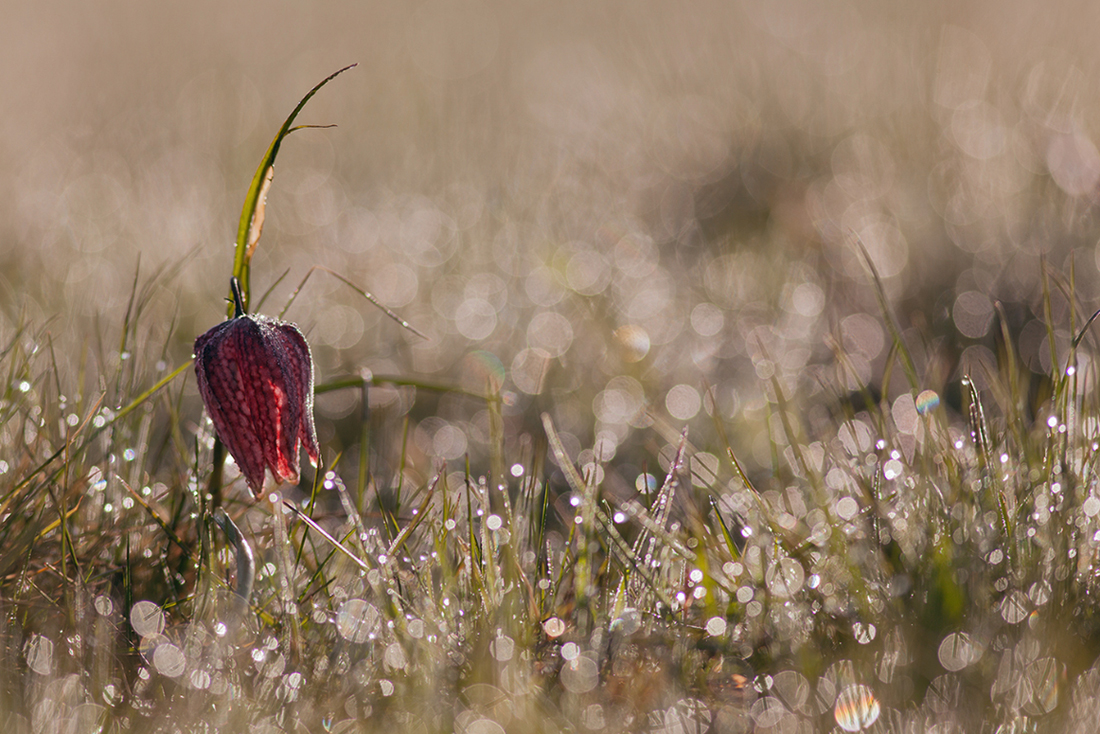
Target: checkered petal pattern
255, 376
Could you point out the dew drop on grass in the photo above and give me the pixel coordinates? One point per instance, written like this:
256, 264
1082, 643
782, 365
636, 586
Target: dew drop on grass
169, 660
502, 648
517, 470
24, 386
357, 620
1014, 607
593, 717
864, 633
104, 606
767, 712
493, 522
927, 401
847, 507
784, 578
579, 675
395, 657
856, 708
628, 623
553, 627
147, 618
716, 626
39, 652
957, 651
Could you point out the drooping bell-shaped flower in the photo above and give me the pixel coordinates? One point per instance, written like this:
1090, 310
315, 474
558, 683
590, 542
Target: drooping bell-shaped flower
255, 376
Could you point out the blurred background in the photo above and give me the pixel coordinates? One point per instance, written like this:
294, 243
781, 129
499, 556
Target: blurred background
605, 209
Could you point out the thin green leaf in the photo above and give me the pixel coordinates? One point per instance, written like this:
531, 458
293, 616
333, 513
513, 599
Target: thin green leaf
252, 213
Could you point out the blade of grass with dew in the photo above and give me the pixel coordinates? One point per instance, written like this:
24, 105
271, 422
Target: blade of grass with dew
586, 492
365, 294
418, 516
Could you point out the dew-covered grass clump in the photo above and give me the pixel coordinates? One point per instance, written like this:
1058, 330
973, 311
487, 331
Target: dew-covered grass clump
723, 371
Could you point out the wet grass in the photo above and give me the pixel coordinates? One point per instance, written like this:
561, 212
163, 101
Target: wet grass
912, 563
690, 458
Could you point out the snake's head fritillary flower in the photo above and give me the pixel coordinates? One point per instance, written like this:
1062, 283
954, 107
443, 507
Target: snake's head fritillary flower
255, 376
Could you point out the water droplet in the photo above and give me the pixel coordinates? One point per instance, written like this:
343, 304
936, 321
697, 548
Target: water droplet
958, 650
169, 660
493, 522
395, 656
716, 626
927, 401
1015, 607
502, 648
580, 674
856, 708
104, 606
553, 627
357, 620
784, 578
39, 653
864, 633
147, 618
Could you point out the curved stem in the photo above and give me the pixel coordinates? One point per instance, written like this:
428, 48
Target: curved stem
238, 299
246, 560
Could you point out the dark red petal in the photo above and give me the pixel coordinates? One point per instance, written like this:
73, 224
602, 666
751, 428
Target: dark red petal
300, 384
256, 377
222, 384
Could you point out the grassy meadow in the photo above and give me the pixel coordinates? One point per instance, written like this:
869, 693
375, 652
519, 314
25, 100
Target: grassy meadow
749, 382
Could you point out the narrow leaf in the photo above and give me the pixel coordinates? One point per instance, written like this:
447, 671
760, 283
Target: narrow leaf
252, 213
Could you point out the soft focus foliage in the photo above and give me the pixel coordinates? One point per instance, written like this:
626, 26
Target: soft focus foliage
614, 222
